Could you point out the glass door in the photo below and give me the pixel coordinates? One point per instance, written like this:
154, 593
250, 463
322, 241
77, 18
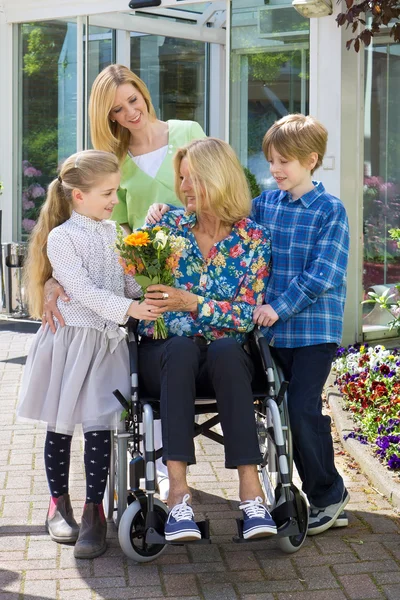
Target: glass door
381, 205
269, 76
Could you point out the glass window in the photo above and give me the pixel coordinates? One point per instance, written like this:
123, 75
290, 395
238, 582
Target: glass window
48, 110
175, 72
269, 76
381, 177
101, 53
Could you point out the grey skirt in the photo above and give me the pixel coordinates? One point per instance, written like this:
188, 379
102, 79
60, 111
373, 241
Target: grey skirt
69, 378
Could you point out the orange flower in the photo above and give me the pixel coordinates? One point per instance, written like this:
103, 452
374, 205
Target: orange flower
137, 238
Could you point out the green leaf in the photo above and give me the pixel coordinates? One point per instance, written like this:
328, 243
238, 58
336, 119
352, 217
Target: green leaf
143, 281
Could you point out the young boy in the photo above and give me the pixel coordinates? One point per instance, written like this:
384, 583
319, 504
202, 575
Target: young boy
303, 314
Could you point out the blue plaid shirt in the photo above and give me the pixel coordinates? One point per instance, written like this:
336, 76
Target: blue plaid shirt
307, 285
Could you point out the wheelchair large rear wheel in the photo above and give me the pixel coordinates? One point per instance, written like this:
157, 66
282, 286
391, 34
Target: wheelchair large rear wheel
131, 532
293, 543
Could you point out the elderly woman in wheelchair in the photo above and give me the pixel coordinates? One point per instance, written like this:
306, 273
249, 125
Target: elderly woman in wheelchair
220, 279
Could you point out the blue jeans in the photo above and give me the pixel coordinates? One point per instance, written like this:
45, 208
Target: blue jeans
307, 369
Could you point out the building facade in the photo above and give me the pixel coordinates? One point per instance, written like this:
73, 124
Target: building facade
235, 66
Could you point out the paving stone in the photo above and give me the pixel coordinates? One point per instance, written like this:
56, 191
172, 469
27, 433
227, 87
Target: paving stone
180, 584
223, 591
319, 595
359, 587
392, 592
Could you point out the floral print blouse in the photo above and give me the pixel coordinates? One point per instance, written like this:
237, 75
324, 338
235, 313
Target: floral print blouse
229, 283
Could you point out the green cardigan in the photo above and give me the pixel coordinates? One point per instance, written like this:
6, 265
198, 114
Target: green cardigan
138, 190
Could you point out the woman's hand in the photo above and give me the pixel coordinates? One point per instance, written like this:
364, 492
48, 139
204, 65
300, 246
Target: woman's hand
265, 316
169, 299
143, 311
155, 213
52, 291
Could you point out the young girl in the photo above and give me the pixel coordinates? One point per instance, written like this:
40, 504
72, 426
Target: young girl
70, 375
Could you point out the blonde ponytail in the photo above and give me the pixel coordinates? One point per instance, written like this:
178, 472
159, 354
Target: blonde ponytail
80, 171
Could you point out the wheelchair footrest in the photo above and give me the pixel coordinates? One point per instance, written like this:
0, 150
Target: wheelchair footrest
239, 539
154, 537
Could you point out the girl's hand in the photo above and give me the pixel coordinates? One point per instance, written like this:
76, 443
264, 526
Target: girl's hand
169, 299
143, 311
265, 316
52, 291
155, 213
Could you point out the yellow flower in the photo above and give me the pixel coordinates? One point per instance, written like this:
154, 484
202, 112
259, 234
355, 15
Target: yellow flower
137, 238
258, 286
219, 260
362, 348
157, 228
205, 309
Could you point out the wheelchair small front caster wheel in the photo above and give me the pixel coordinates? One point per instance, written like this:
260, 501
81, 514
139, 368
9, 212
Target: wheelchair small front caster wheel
132, 533
293, 543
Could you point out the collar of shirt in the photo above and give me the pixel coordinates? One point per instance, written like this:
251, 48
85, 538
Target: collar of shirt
238, 228
308, 198
87, 222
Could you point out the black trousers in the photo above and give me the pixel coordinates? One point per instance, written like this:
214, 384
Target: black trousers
176, 369
307, 369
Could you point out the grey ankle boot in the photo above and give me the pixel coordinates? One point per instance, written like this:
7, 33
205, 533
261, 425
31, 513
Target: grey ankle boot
60, 522
92, 534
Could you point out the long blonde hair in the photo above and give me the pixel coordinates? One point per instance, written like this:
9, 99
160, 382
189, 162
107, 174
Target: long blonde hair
106, 135
217, 174
80, 171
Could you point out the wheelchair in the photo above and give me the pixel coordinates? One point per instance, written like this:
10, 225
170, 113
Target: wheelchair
140, 516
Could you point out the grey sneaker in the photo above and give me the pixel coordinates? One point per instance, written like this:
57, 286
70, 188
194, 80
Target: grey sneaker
341, 521
321, 519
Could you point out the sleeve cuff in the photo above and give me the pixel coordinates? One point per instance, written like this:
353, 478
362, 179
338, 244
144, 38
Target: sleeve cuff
281, 309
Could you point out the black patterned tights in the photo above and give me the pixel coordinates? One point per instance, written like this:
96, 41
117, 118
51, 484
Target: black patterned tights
57, 454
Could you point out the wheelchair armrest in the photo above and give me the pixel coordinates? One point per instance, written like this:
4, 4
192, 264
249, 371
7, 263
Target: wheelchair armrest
263, 348
266, 359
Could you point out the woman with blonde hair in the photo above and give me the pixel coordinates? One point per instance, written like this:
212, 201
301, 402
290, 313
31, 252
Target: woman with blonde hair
220, 280
123, 121
70, 375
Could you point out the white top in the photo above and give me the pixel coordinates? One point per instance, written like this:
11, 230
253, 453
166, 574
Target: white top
85, 262
150, 162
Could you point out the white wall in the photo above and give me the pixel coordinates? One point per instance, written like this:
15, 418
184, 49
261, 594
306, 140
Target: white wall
336, 99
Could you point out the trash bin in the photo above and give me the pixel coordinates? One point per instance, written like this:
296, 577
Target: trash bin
12, 289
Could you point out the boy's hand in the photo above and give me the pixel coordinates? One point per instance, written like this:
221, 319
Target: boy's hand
265, 316
155, 213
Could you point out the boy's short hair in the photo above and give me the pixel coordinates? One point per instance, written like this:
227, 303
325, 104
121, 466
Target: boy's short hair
296, 136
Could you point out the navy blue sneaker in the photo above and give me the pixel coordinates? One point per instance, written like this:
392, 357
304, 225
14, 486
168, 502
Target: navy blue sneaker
257, 522
321, 519
180, 525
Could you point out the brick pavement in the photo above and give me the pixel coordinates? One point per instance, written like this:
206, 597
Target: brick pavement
361, 562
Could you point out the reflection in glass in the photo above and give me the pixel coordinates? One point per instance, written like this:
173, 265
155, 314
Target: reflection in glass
101, 54
48, 109
175, 72
381, 175
269, 76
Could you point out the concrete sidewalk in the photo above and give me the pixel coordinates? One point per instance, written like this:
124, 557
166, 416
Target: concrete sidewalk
360, 562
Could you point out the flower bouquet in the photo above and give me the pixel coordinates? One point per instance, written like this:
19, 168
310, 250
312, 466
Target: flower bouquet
151, 256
